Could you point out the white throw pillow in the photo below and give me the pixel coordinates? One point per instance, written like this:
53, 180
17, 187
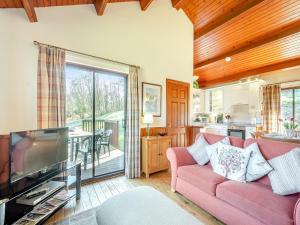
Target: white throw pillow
211, 150
285, 178
257, 166
198, 151
232, 162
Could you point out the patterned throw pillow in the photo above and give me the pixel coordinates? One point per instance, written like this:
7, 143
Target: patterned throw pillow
285, 178
232, 162
257, 166
198, 152
211, 150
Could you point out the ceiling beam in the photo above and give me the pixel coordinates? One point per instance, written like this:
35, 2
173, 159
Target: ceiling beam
225, 17
100, 6
145, 4
178, 3
29, 9
281, 32
257, 71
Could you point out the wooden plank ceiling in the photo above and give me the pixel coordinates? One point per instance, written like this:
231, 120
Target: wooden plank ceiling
258, 35
29, 5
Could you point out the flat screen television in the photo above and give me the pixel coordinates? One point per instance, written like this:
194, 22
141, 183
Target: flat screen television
34, 151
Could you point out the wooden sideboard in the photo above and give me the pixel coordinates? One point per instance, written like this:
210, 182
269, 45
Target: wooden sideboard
154, 157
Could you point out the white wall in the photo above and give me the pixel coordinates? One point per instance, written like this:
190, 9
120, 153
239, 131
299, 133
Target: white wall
291, 74
236, 94
160, 40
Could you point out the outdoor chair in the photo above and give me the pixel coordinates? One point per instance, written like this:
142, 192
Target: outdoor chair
85, 147
104, 141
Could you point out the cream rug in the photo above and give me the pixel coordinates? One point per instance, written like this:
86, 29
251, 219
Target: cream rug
139, 206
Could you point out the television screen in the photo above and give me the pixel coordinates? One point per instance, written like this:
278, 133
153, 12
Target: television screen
34, 151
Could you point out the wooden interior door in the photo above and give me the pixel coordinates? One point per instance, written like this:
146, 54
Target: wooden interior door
178, 112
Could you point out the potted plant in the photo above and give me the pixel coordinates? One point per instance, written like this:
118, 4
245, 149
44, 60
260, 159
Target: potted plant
290, 126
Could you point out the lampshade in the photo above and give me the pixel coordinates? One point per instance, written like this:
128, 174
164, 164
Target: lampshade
148, 119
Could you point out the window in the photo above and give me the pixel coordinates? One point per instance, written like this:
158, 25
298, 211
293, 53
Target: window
216, 101
290, 104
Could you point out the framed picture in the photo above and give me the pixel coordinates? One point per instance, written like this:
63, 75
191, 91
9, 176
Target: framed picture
151, 99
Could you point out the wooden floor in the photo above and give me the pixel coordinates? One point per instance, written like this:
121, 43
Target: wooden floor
94, 194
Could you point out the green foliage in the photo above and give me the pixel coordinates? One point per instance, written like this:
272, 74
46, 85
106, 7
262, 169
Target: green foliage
109, 96
196, 85
290, 125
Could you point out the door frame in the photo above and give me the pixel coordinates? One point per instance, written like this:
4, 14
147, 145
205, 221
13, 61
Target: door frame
170, 81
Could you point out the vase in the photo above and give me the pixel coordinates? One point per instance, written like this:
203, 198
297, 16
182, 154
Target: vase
289, 132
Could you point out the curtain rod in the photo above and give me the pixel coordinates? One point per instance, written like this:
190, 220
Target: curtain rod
97, 57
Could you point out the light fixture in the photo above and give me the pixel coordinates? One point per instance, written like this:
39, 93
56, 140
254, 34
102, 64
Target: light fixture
148, 119
228, 59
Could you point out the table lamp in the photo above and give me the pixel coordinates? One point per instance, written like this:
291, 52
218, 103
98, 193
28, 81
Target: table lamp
148, 119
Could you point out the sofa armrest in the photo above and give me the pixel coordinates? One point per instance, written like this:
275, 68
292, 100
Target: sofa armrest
297, 213
178, 157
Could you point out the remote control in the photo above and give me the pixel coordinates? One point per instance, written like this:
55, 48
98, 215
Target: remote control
36, 193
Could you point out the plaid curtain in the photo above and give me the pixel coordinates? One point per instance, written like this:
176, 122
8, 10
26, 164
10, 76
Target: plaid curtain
271, 107
132, 146
51, 87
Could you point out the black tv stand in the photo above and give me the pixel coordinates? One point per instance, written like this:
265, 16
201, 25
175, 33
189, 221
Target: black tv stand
67, 178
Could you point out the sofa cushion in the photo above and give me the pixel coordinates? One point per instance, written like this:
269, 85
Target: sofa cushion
198, 151
259, 201
201, 176
285, 178
212, 151
214, 138
257, 166
270, 149
232, 162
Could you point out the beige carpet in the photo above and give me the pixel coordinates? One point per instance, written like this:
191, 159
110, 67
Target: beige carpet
139, 206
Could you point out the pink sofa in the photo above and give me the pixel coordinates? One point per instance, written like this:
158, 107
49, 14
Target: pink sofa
230, 201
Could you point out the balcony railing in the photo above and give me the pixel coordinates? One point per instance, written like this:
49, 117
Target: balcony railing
114, 125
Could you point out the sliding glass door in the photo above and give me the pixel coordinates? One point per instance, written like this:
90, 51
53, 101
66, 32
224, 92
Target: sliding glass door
109, 122
96, 119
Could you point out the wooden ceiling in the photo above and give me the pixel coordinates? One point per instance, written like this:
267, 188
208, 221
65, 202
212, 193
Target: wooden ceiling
29, 5
259, 35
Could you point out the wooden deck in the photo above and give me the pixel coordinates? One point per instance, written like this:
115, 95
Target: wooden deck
107, 164
94, 194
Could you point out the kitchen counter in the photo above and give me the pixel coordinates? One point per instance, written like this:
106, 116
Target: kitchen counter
223, 128
282, 138
222, 124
